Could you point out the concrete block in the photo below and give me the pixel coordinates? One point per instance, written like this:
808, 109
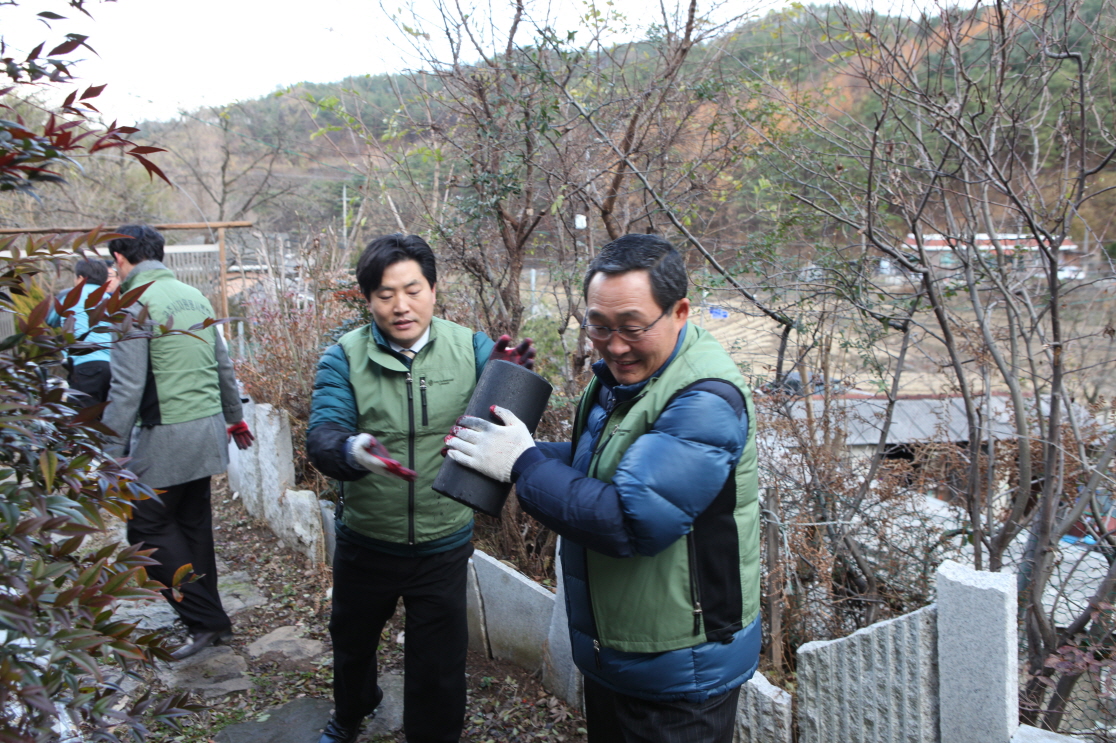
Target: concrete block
878, 685
978, 654
248, 467
1028, 734
517, 612
474, 606
276, 458
559, 674
764, 713
329, 530
234, 468
295, 516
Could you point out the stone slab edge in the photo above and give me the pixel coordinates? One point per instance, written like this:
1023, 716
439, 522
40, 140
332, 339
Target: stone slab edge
493, 578
1028, 734
474, 608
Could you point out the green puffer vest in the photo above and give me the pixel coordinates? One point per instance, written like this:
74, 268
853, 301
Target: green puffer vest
410, 412
183, 367
646, 604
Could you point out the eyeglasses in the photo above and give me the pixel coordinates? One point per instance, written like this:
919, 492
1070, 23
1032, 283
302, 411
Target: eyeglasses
629, 333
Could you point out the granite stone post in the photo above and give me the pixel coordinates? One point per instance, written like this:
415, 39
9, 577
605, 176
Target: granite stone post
764, 713
978, 654
878, 685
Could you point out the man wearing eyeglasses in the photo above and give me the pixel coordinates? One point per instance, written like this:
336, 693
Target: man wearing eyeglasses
656, 503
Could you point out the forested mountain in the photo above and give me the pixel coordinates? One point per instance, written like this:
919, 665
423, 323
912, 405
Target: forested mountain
282, 159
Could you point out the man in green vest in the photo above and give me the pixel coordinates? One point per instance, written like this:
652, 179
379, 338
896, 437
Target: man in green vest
656, 503
384, 398
171, 398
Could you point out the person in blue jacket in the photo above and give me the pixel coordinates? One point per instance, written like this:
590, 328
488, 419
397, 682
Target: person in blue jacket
90, 372
656, 503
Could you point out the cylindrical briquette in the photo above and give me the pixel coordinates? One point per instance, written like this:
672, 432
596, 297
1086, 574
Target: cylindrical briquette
510, 386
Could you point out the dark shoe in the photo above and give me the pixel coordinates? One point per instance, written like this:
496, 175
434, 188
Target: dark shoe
198, 641
335, 732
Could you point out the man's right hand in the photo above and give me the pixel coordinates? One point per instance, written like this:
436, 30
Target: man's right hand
370, 454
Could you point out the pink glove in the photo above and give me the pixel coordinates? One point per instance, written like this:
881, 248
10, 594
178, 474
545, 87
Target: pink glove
240, 433
523, 354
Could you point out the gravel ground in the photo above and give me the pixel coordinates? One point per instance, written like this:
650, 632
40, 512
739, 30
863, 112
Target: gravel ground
505, 702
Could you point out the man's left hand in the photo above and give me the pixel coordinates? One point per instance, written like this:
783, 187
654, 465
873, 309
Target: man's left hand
489, 448
241, 434
522, 354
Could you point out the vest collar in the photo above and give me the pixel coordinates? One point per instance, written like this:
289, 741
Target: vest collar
150, 270
625, 392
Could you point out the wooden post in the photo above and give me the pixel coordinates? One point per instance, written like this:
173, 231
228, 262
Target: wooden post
222, 271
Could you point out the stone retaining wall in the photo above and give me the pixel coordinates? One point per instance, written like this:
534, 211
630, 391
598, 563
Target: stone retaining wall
263, 476
947, 673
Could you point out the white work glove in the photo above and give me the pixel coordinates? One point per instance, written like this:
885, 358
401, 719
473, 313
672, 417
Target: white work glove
370, 454
489, 448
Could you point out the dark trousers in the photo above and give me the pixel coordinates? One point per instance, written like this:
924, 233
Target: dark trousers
367, 585
93, 379
180, 528
612, 717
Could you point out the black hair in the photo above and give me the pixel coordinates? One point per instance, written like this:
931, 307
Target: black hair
389, 250
144, 243
649, 253
93, 270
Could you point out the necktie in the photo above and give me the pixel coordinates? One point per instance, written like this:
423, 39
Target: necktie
407, 352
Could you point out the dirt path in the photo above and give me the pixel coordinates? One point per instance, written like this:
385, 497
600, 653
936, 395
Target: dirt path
505, 702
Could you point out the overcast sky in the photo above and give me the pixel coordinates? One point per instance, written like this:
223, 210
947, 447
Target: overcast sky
159, 56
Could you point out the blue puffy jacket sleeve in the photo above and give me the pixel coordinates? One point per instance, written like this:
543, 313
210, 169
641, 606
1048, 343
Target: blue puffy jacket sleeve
664, 480
482, 349
333, 417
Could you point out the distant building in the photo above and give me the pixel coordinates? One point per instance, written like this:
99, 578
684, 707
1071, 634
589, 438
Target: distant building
1020, 250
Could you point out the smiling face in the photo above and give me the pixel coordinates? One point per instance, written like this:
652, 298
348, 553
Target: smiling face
614, 300
403, 304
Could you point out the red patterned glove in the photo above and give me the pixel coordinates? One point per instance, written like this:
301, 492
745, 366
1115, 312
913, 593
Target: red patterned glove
523, 354
240, 433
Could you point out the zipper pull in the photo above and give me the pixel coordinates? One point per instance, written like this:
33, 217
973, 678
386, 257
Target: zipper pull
597, 652
422, 387
697, 618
